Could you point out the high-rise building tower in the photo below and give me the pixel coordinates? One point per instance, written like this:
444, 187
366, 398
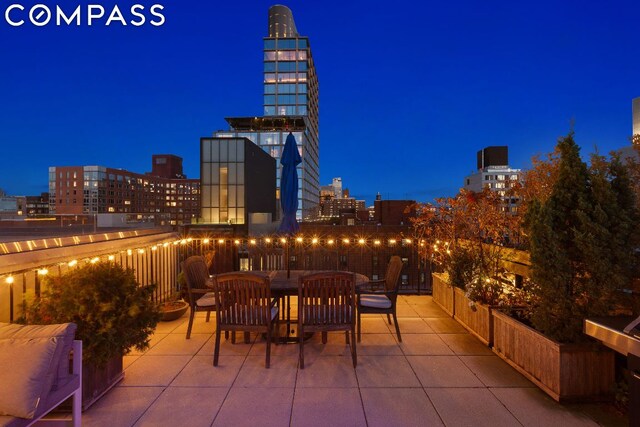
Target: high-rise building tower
636, 116
290, 105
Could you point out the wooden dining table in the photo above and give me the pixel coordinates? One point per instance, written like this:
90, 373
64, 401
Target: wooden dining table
284, 285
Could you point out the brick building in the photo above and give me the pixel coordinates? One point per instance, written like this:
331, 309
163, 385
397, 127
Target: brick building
90, 190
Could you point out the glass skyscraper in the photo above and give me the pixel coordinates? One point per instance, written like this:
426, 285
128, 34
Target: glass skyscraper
290, 105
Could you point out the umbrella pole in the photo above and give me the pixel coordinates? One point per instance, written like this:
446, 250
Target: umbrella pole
287, 261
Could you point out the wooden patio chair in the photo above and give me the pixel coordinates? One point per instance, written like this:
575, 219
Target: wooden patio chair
200, 294
383, 301
243, 303
326, 302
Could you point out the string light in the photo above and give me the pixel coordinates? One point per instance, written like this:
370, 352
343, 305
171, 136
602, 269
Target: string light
205, 241
392, 241
361, 241
345, 241
140, 251
299, 239
314, 241
94, 260
190, 239
237, 242
268, 240
154, 248
9, 280
220, 241
183, 241
165, 244
330, 242
43, 271
72, 263
253, 241
112, 257
129, 251
407, 241
283, 240
376, 242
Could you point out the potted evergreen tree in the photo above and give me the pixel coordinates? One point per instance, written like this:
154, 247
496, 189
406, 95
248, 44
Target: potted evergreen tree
582, 236
113, 312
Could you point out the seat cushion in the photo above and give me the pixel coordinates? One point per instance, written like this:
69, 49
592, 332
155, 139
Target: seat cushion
375, 301
25, 364
207, 300
64, 332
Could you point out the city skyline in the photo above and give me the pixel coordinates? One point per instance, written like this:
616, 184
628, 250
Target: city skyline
409, 94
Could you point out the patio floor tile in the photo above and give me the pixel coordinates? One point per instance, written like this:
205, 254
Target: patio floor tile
534, 408
445, 325
327, 407
200, 372
470, 407
200, 325
256, 407
122, 406
281, 373
169, 327
411, 325
385, 371
405, 310
374, 324
128, 360
154, 370
153, 341
465, 344
335, 346
401, 407
177, 344
494, 372
443, 371
226, 347
429, 310
424, 344
329, 371
378, 344
182, 406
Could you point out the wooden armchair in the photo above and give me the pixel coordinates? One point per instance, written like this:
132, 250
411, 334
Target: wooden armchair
326, 302
243, 303
201, 297
384, 301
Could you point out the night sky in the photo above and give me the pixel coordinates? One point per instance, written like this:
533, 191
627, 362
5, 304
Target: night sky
409, 90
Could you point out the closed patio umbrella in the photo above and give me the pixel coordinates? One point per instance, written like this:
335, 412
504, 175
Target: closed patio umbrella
289, 189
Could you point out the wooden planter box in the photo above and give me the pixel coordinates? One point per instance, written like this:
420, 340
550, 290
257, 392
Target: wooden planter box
97, 381
566, 372
476, 318
442, 293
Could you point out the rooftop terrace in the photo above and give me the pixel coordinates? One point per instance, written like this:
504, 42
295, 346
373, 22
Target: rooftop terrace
438, 375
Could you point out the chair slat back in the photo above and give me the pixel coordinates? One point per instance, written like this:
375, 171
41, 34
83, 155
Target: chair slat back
196, 272
242, 299
392, 276
327, 299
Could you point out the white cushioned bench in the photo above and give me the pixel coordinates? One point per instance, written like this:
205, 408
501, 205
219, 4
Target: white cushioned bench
35, 374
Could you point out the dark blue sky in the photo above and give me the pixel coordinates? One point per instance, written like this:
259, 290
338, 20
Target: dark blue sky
409, 90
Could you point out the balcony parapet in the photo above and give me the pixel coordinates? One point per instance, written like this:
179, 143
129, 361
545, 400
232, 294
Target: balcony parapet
30, 254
